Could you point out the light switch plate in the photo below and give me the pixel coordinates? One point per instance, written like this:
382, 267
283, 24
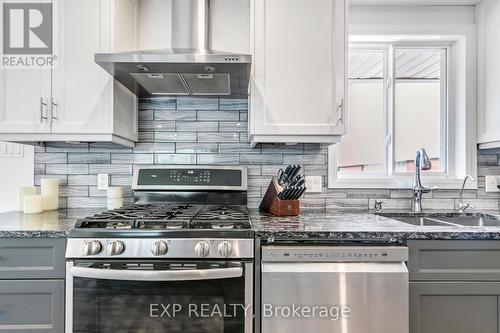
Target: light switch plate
314, 184
102, 181
491, 183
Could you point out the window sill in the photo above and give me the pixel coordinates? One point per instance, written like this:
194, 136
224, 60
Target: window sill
400, 183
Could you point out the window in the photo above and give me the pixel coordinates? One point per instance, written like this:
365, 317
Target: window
399, 99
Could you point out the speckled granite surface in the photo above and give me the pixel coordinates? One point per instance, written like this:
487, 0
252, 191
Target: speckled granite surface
317, 226
362, 226
50, 224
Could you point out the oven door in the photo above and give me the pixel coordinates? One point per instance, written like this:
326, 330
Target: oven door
159, 296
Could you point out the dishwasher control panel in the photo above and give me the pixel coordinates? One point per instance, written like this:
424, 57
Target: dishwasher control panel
334, 253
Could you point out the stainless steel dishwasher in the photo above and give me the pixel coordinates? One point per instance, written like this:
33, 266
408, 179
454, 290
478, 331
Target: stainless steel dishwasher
327, 289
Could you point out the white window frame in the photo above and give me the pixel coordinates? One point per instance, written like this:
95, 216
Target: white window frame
460, 132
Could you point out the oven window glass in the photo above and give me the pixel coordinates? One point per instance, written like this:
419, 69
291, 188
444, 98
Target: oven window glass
197, 306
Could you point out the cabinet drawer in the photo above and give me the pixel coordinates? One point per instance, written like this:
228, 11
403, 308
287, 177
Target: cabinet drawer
32, 258
28, 306
454, 260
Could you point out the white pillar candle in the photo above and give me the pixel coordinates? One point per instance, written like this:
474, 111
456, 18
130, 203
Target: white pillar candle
50, 194
33, 204
21, 193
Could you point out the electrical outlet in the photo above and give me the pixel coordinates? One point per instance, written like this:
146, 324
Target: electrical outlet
314, 184
491, 183
102, 181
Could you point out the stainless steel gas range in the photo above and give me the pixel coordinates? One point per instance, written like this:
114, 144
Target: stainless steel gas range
180, 259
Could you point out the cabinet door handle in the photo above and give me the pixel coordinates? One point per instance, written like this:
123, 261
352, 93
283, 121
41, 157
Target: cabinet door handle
54, 104
340, 108
43, 108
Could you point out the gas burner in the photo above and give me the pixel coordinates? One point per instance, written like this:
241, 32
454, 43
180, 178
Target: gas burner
225, 213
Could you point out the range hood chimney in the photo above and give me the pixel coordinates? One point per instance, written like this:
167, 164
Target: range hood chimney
189, 68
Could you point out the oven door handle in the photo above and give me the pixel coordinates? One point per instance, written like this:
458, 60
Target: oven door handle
173, 275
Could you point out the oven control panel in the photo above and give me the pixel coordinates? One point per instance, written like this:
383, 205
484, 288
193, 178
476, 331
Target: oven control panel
192, 248
334, 253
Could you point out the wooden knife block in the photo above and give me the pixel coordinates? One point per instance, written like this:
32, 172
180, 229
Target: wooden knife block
274, 205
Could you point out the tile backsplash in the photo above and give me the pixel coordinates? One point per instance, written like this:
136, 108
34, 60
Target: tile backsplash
214, 131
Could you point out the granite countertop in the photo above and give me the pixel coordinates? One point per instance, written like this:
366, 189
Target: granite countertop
360, 226
307, 226
49, 224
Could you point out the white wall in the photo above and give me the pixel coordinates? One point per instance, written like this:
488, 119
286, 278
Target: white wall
16, 169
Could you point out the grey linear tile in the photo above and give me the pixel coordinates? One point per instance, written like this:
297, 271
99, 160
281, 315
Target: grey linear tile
154, 148
175, 137
146, 136
447, 194
62, 147
272, 170
73, 191
108, 147
327, 194
254, 192
121, 180
243, 116
397, 204
51, 158
82, 180
175, 159
493, 151
63, 179
481, 193
261, 181
175, 115
90, 202
196, 148
244, 137
367, 193
39, 149
261, 159
217, 137
233, 126
269, 148
340, 204
304, 160
485, 160
233, 104
313, 205
39, 169
438, 204
237, 148
253, 203
156, 126
253, 170
485, 170
197, 126
483, 204
132, 158
146, 115
316, 170
67, 169
94, 192
218, 159
158, 103
315, 148
89, 158
110, 168
63, 202
218, 115
196, 103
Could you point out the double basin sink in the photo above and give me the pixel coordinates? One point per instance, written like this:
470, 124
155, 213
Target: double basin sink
445, 219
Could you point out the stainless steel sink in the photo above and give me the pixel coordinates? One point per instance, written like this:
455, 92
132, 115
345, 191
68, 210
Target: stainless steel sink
445, 219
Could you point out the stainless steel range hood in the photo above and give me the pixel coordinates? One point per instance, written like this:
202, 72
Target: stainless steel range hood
190, 68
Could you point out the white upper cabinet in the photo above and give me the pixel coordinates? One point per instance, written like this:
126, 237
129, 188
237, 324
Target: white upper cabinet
81, 102
488, 124
298, 75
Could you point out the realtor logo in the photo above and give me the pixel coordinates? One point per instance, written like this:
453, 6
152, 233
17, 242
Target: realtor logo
27, 28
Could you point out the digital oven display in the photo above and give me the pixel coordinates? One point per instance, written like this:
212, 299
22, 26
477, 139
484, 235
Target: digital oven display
205, 177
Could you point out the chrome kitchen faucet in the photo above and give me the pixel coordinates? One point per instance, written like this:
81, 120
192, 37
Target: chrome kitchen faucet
422, 162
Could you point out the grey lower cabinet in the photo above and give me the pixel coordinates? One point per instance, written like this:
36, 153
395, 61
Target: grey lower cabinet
454, 286
32, 285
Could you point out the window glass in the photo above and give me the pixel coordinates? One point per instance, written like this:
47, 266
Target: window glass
362, 149
418, 107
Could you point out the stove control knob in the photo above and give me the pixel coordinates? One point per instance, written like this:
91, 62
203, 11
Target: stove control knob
225, 249
202, 249
115, 248
91, 248
159, 248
